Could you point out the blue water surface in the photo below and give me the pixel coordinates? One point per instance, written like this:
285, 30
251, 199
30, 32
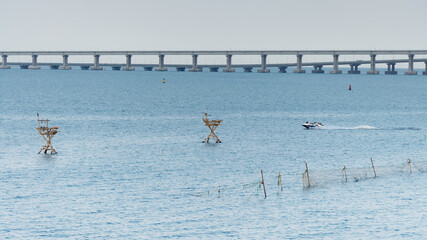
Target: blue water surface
131, 163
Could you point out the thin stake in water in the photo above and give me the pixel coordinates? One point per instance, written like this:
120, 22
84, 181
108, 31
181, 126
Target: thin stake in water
262, 182
280, 182
345, 173
410, 167
373, 167
308, 176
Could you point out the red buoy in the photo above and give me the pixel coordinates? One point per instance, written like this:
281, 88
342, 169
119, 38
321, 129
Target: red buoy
349, 87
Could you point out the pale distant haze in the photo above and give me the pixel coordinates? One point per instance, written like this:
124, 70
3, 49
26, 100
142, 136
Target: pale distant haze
212, 25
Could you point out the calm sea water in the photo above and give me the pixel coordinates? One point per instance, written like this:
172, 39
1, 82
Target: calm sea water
131, 165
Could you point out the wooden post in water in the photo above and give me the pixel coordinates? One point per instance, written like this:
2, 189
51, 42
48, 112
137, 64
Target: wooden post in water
280, 181
262, 182
345, 173
308, 176
373, 167
410, 167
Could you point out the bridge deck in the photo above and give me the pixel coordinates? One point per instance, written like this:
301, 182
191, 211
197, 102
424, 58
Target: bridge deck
361, 62
237, 52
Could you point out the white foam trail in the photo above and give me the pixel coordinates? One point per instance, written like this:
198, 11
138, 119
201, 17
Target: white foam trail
336, 128
365, 127
362, 127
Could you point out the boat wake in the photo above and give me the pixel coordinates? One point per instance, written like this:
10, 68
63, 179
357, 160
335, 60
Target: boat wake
367, 127
362, 127
404, 128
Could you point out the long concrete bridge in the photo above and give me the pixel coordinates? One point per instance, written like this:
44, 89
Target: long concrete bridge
228, 66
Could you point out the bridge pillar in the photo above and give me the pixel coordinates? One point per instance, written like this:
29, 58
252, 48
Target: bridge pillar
34, 63
215, 69
335, 70
64, 63
425, 71
263, 64
195, 68
390, 69
372, 70
282, 69
4, 62
247, 69
354, 69
299, 64
317, 69
161, 63
228, 68
411, 65
128, 66
96, 63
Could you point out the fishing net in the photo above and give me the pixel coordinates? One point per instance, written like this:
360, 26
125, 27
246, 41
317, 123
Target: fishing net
314, 178
355, 174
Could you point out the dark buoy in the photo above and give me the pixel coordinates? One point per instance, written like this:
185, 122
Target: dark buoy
349, 87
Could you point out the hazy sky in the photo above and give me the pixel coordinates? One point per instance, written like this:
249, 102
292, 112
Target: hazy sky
219, 24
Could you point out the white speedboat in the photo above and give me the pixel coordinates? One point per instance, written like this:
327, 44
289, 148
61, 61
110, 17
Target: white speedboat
312, 125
